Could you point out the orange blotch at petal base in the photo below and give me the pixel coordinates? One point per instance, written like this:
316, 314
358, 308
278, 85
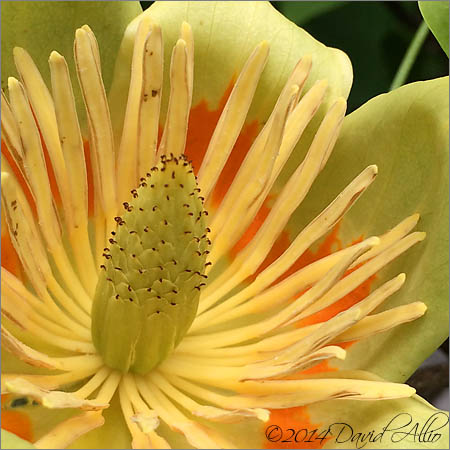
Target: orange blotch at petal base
298, 418
201, 126
16, 422
202, 123
292, 428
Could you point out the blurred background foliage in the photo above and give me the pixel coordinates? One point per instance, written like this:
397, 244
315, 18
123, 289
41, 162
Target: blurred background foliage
375, 35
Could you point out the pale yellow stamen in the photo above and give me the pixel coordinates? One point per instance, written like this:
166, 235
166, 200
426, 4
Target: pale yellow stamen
27, 241
250, 366
303, 392
242, 334
36, 172
390, 237
336, 325
48, 382
296, 124
14, 303
187, 35
152, 82
73, 151
368, 326
100, 131
289, 393
256, 171
277, 369
141, 420
225, 229
44, 111
109, 387
360, 275
291, 196
173, 140
34, 163
11, 135
232, 119
100, 230
139, 438
38, 359
196, 434
317, 228
94, 383
212, 413
70, 430
46, 306
51, 399
42, 328
306, 276
383, 321
210, 396
127, 158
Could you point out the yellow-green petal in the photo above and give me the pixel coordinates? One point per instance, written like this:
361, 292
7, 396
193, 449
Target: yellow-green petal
41, 27
405, 133
225, 33
10, 440
410, 423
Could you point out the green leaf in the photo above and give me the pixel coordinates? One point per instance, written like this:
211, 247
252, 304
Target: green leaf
303, 12
10, 440
41, 27
405, 133
225, 33
435, 14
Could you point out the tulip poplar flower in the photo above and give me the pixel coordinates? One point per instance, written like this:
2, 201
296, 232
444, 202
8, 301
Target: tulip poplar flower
156, 290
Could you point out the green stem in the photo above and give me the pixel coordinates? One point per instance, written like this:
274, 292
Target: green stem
410, 56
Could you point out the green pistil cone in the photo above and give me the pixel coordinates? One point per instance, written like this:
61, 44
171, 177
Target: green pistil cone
148, 291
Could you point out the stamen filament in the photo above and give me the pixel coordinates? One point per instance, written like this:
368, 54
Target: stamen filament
88, 388
73, 151
173, 139
143, 423
38, 359
46, 307
127, 158
152, 83
242, 334
292, 194
49, 382
44, 111
383, 321
354, 279
101, 137
317, 228
296, 123
232, 119
26, 239
252, 177
11, 136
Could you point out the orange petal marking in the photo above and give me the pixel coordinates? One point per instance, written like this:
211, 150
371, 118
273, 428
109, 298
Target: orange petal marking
10, 260
298, 420
353, 297
90, 178
16, 422
202, 122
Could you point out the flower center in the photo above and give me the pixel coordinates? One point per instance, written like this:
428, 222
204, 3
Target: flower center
148, 291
